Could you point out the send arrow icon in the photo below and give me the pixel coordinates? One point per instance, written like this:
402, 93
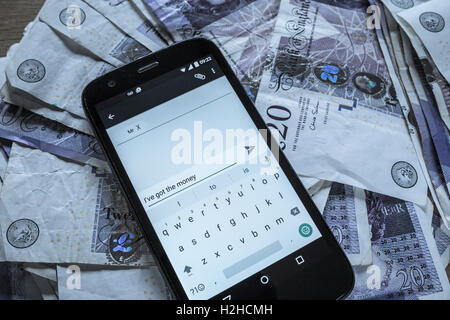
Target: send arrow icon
249, 148
111, 116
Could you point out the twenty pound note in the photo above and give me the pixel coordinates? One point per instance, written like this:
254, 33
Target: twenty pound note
406, 263
328, 93
346, 215
242, 29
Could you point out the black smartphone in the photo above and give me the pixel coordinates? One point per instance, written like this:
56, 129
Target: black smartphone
219, 204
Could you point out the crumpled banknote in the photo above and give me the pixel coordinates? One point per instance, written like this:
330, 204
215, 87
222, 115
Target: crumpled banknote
43, 270
242, 29
66, 212
3, 62
328, 93
367, 108
346, 215
23, 126
408, 16
427, 131
54, 74
106, 283
141, 6
17, 284
406, 263
90, 29
130, 20
429, 20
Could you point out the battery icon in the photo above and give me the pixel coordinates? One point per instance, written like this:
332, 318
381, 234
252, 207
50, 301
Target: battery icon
196, 64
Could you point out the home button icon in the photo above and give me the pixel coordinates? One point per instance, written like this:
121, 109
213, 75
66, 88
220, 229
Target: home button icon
264, 279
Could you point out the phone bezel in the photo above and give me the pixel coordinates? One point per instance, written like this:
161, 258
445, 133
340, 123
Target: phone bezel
168, 59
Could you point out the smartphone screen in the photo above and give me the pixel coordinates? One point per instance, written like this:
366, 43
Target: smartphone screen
213, 190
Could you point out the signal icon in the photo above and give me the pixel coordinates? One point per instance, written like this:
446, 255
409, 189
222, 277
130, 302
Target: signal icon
183, 69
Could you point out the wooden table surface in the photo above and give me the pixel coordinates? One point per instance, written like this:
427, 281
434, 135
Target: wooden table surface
15, 15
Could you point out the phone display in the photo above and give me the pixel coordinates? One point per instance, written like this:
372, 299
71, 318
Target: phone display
223, 208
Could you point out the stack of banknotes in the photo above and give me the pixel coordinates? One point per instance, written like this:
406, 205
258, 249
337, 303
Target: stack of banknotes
374, 153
